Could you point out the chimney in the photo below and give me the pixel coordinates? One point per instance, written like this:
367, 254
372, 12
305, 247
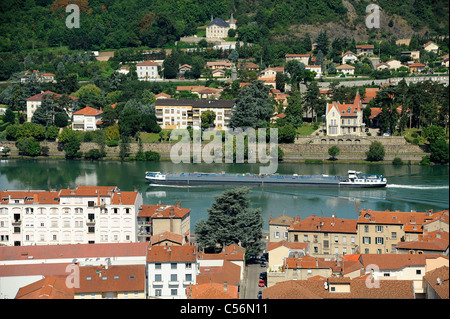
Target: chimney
225, 286
178, 205
35, 198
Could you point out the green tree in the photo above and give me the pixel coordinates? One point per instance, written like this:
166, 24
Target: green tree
231, 220
294, 109
124, 147
72, 147
433, 133
253, 107
286, 133
207, 119
334, 151
28, 146
9, 116
376, 152
439, 151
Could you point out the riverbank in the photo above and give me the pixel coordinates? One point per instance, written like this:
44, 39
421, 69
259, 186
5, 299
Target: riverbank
305, 149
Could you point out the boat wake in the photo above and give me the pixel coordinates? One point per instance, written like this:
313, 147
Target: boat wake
416, 186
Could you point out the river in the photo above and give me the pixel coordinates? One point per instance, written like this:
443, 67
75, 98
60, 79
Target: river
409, 187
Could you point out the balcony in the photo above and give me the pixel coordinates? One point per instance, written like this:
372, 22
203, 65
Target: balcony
90, 222
16, 221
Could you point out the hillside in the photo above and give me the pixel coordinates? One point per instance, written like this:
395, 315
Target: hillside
113, 24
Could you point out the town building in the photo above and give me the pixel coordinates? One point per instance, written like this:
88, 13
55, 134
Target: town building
437, 284
346, 69
35, 101
181, 113
315, 68
214, 65
327, 236
86, 119
345, 119
218, 28
349, 57
430, 46
394, 64
182, 69
170, 270
278, 226
171, 221
416, 67
87, 214
111, 282
280, 250
414, 55
364, 49
147, 71
303, 58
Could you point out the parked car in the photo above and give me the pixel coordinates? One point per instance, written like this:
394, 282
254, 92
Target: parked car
261, 283
263, 264
263, 275
260, 294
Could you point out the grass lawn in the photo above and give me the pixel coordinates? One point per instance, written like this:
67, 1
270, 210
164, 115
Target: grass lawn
407, 133
149, 137
305, 129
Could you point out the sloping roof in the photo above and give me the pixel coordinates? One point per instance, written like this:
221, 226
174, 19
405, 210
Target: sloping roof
172, 254
393, 261
364, 46
219, 22
348, 110
231, 252
112, 278
393, 218
314, 289
72, 251
147, 63
441, 286
228, 272
88, 111
163, 211
435, 240
46, 288
167, 236
292, 246
345, 67
38, 97
297, 55
325, 224
212, 290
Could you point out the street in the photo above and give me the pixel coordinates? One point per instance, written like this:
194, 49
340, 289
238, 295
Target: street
251, 281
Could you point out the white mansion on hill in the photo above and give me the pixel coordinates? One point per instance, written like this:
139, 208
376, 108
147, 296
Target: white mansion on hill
87, 214
218, 28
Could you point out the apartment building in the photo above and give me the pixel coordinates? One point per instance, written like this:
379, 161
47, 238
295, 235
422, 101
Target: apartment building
170, 270
278, 227
86, 119
303, 58
171, 220
380, 231
87, 214
181, 113
326, 235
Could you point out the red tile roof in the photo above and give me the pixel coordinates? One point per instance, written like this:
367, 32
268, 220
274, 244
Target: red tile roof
46, 288
172, 254
435, 241
437, 279
395, 218
147, 63
393, 261
167, 236
364, 46
88, 111
297, 55
325, 224
293, 246
212, 291
111, 279
163, 211
347, 110
228, 272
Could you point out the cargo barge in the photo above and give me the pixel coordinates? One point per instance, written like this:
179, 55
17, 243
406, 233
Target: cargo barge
353, 179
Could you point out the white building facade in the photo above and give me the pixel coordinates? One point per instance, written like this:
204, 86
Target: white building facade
147, 71
170, 269
69, 216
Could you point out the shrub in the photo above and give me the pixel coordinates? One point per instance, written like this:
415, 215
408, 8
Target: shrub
439, 151
45, 150
152, 156
415, 141
112, 143
397, 161
376, 152
93, 154
425, 161
334, 151
28, 146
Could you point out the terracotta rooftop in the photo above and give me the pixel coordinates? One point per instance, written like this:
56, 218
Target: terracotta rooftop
325, 224
163, 211
212, 290
88, 111
438, 280
46, 288
172, 254
282, 220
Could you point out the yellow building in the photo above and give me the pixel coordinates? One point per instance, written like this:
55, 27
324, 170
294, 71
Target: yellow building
111, 282
181, 113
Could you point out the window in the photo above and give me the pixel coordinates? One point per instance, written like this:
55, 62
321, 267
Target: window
157, 292
157, 265
394, 235
366, 240
305, 238
387, 274
379, 228
173, 265
325, 244
173, 292
173, 277
276, 234
344, 239
158, 277
418, 272
90, 203
336, 239
188, 265
379, 240
188, 277
366, 228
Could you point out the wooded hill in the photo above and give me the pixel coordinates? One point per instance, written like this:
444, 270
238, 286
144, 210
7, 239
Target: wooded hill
113, 24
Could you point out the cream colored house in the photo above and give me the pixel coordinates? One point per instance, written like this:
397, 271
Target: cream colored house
345, 119
280, 250
349, 56
86, 119
430, 46
147, 71
278, 227
303, 58
346, 69
382, 66
218, 28
394, 64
